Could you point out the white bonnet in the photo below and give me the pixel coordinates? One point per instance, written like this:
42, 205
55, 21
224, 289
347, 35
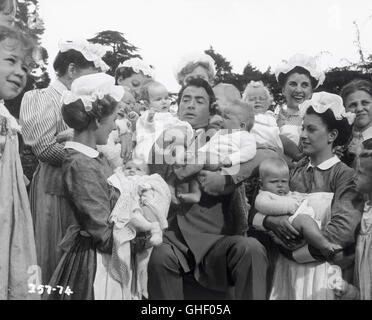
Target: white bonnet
301, 60
138, 65
322, 101
91, 87
194, 58
91, 51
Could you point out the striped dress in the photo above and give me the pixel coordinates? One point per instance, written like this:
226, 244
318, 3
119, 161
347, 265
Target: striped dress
41, 120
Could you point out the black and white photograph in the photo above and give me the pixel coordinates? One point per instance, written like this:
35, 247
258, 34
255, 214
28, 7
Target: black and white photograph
207, 151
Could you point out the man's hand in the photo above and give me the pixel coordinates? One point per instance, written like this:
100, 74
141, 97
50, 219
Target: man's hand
212, 183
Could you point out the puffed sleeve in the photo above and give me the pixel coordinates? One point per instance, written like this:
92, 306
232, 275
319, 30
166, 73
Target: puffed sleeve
88, 190
38, 121
347, 208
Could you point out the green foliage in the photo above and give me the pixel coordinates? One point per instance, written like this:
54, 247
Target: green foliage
223, 67
121, 49
28, 19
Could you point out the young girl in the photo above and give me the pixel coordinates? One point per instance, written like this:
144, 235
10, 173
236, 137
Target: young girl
265, 129
8, 9
363, 252
90, 109
17, 243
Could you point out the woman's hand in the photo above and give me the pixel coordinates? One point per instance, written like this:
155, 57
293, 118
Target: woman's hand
282, 228
64, 136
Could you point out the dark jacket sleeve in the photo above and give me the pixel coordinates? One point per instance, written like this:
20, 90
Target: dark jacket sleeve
347, 208
88, 190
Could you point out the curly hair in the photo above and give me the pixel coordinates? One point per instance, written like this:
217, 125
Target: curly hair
15, 38
190, 67
77, 118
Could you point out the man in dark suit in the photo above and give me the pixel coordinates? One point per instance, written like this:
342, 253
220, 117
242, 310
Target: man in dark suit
209, 239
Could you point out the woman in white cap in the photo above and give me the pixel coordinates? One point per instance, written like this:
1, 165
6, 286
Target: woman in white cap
45, 131
298, 77
133, 74
301, 271
193, 66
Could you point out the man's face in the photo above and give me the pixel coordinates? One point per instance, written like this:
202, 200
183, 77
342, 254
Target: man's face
194, 107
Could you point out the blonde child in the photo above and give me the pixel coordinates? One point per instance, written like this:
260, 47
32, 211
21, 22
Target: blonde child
154, 121
363, 251
275, 198
265, 128
17, 243
228, 147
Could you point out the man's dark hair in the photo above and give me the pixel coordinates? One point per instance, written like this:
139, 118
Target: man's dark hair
199, 83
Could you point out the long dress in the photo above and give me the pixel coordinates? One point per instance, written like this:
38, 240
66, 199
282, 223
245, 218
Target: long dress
309, 281
17, 243
363, 255
41, 120
91, 199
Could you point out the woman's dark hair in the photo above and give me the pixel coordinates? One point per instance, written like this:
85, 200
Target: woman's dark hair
64, 59
283, 77
356, 85
123, 72
199, 83
77, 118
342, 126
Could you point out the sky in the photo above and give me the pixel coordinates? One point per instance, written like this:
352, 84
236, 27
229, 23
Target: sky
262, 32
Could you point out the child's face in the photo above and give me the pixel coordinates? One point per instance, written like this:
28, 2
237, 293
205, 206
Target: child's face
231, 119
259, 100
135, 169
159, 98
13, 69
276, 182
235, 117
363, 177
